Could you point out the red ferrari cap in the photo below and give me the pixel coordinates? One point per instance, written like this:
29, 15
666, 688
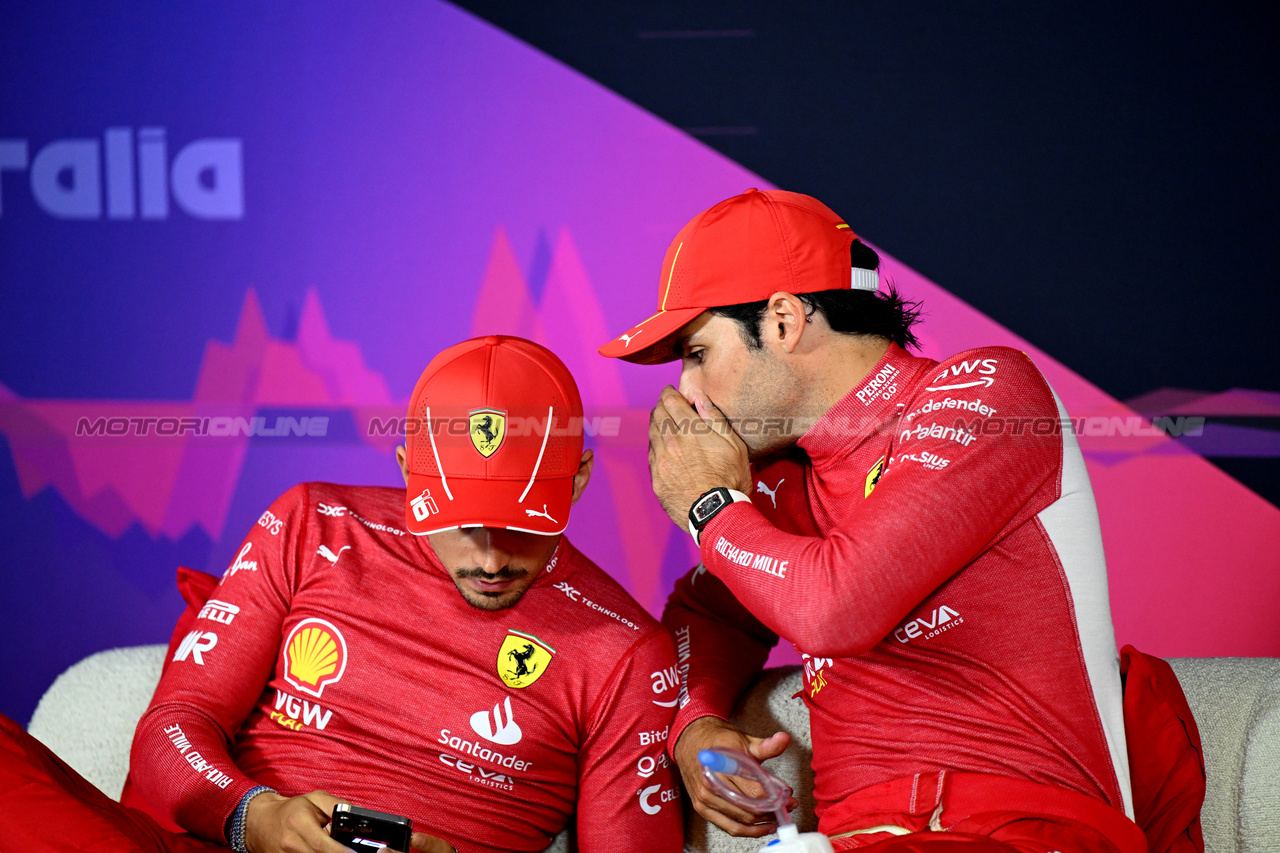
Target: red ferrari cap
493, 439
744, 249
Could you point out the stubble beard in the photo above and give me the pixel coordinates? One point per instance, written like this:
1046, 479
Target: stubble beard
490, 602
765, 397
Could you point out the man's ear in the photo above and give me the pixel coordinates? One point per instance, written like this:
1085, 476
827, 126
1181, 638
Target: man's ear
583, 476
784, 321
402, 459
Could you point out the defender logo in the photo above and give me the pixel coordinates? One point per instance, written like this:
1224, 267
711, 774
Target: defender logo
488, 429
942, 619
496, 730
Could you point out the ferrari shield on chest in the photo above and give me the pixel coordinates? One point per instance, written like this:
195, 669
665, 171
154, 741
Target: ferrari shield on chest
523, 659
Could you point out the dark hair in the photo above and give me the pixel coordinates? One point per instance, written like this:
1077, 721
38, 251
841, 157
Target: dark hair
850, 312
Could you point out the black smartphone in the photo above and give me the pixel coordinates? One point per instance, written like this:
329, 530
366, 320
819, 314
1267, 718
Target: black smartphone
366, 830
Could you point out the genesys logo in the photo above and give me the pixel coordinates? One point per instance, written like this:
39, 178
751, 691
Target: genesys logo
194, 646
270, 522
315, 656
941, 619
955, 376
130, 177
652, 798
494, 728
218, 611
663, 681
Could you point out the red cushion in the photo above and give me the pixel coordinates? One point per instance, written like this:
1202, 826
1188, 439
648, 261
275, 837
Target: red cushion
1166, 759
196, 587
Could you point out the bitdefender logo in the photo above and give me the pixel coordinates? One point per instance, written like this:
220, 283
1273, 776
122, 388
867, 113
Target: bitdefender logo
125, 177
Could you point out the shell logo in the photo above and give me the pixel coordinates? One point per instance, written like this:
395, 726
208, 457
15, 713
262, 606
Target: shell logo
315, 655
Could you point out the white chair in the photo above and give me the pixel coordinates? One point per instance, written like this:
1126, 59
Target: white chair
1236, 702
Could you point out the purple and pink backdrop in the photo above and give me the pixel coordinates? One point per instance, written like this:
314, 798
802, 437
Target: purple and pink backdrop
283, 214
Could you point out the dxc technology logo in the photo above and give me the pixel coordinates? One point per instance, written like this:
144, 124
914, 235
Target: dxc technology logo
205, 177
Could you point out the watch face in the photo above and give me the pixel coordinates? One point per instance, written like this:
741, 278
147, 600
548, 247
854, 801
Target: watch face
708, 506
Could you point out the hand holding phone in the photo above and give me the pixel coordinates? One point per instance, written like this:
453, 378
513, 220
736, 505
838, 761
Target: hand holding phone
366, 830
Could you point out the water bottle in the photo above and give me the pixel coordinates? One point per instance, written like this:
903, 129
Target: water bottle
719, 762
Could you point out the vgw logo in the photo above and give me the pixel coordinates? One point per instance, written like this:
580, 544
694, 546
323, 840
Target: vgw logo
205, 177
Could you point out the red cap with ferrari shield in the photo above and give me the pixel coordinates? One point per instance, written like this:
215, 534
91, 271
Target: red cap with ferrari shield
744, 249
493, 439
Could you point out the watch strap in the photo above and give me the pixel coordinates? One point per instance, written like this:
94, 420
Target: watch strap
737, 497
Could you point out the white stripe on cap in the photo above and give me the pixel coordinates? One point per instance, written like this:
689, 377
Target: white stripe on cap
541, 450
864, 280
431, 435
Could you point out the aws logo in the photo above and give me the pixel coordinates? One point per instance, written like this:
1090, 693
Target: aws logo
315, 656
985, 367
68, 176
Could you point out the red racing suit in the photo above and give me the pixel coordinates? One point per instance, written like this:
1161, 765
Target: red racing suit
933, 552
337, 654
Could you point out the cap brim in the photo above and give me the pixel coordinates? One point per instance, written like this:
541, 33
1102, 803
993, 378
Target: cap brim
659, 344
475, 502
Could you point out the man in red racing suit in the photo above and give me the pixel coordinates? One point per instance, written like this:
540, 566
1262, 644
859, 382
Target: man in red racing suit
441, 653
924, 533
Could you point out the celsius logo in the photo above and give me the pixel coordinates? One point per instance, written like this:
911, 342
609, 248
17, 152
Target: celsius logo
205, 177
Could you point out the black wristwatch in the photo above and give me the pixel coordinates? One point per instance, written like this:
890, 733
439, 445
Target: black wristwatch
708, 506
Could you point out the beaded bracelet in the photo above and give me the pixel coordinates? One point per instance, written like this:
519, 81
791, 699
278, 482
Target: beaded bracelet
236, 836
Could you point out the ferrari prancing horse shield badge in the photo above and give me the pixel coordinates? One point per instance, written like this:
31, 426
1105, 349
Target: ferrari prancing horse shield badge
522, 659
488, 428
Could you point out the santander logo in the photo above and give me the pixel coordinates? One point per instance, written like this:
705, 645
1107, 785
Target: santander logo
494, 729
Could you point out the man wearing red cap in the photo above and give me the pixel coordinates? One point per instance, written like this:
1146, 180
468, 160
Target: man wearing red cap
443, 654
923, 532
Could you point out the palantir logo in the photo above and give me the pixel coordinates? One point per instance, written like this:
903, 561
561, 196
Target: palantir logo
505, 733
205, 176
